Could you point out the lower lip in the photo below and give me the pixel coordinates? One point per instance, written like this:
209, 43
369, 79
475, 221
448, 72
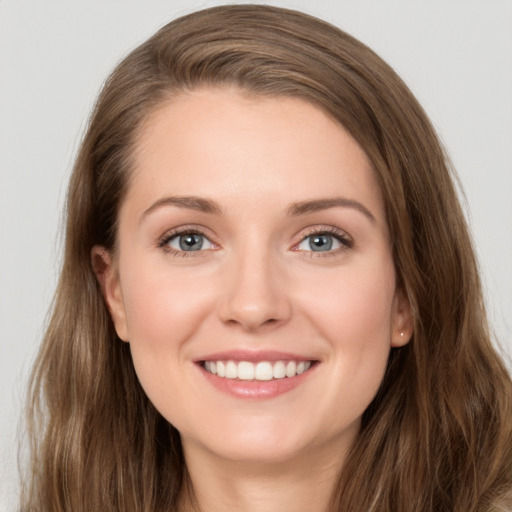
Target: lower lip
257, 389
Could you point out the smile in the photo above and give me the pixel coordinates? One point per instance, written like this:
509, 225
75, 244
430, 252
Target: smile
262, 370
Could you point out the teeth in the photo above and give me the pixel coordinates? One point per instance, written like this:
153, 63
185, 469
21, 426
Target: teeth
231, 370
279, 370
291, 369
245, 370
264, 370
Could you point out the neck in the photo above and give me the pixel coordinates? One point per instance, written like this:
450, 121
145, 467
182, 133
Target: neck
304, 484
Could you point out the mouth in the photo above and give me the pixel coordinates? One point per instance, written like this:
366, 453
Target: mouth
261, 374
257, 371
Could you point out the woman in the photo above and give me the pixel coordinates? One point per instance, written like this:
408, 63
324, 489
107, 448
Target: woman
269, 299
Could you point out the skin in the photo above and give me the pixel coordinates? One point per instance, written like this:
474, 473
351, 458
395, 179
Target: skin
255, 285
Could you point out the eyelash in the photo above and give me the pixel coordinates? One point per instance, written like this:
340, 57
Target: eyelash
184, 230
342, 238
345, 241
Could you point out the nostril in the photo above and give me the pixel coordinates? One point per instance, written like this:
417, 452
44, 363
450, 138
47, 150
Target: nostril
255, 324
254, 304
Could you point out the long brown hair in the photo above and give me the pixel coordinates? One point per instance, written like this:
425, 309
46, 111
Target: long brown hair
438, 436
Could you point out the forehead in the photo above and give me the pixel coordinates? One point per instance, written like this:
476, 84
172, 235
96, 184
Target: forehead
225, 142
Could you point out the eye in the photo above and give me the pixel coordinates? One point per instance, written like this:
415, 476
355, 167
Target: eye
324, 241
187, 242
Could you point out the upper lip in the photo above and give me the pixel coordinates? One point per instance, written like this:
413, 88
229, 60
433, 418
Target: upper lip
254, 356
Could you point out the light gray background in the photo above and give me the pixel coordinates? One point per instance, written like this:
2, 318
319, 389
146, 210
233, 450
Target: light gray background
455, 55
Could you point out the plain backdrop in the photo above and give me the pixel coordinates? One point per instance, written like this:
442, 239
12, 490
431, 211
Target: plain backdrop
456, 56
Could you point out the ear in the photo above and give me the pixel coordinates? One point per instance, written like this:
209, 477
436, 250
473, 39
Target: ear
402, 322
107, 275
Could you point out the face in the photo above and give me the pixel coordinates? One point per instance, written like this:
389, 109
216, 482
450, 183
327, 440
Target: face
253, 277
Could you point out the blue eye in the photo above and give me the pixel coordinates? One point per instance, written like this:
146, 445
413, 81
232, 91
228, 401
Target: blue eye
188, 242
323, 242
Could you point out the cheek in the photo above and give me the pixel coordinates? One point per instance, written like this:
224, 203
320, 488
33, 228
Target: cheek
164, 311
353, 315
164, 308
355, 304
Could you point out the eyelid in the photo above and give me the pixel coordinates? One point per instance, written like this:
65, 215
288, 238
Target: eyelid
342, 236
163, 240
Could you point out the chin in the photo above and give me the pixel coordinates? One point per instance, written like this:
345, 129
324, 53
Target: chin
257, 452
271, 442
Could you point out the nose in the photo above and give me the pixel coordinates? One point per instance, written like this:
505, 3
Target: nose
256, 296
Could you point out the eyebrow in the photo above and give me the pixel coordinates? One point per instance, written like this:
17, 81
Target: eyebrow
316, 205
199, 204
204, 205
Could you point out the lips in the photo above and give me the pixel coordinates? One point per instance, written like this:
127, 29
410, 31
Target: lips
247, 374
